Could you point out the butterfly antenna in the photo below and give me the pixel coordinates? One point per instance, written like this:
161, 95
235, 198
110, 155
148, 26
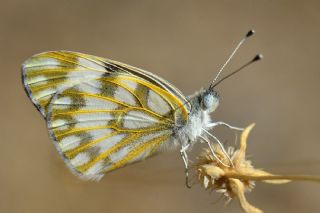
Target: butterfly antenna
248, 34
255, 59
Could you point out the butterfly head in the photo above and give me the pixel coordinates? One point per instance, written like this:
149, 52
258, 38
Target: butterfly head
210, 100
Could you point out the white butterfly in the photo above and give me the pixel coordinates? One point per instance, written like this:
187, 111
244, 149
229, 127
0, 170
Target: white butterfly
102, 114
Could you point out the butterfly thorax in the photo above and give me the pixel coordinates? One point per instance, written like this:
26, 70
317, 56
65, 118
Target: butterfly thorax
203, 103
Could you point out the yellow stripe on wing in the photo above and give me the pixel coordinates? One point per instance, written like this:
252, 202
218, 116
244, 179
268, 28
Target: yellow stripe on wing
93, 59
105, 154
85, 129
70, 154
63, 58
139, 150
79, 130
75, 112
118, 102
166, 95
124, 87
49, 70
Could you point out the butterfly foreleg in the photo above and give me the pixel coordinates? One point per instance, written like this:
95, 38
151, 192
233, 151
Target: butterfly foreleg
221, 123
184, 156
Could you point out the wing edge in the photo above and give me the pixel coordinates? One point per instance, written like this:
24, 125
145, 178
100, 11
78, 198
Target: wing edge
56, 144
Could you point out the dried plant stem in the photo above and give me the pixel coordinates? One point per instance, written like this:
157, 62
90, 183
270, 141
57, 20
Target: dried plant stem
273, 177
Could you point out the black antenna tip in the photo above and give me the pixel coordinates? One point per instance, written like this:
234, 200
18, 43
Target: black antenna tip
257, 57
250, 33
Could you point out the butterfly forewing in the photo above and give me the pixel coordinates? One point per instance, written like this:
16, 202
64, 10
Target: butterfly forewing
46, 73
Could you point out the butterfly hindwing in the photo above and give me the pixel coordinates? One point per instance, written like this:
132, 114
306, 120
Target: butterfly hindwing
107, 123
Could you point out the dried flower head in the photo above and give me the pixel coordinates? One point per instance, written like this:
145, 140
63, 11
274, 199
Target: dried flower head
234, 178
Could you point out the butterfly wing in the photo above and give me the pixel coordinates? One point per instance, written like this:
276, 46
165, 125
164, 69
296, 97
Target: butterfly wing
46, 73
104, 124
102, 114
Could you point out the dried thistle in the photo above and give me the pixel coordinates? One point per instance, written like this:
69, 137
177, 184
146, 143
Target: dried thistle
234, 178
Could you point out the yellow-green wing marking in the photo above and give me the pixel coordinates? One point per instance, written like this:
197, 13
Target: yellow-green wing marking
46, 73
102, 114
104, 124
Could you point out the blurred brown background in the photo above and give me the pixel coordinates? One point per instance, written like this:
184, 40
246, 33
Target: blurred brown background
184, 42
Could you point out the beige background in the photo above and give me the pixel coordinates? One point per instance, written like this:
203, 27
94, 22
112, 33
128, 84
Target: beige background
184, 42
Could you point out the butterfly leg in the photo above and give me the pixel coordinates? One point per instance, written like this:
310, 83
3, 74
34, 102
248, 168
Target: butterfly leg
219, 123
214, 154
186, 163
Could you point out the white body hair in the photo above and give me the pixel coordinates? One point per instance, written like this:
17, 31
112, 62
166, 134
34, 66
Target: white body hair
203, 104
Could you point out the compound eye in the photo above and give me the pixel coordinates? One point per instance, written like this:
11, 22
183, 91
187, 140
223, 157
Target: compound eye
210, 102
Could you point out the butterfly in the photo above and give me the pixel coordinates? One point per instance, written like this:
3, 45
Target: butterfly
103, 115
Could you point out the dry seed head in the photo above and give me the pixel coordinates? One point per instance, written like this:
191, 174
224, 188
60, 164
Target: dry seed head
236, 178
